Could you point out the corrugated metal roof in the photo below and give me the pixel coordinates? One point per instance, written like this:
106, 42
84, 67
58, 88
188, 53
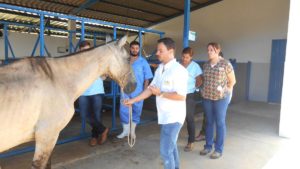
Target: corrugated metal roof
141, 13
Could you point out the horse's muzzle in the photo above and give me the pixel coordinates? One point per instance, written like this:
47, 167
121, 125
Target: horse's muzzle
130, 87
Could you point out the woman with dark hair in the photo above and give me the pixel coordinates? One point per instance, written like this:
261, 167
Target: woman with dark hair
218, 82
201, 135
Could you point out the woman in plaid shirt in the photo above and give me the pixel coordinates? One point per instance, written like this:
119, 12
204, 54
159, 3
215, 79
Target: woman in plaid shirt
218, 82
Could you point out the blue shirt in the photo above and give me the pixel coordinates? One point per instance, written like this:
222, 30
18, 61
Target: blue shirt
95, 88
142, 72
194, 70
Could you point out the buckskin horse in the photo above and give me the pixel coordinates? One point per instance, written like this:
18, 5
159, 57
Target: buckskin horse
37, 94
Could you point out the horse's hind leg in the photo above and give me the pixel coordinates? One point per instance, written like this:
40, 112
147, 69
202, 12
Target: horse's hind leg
43, 149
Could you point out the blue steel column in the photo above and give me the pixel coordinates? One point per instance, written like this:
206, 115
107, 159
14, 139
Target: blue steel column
115, 33
70, 42
95, 40
186, 28
114, 93
5, 43
141, 42
42, 40
161, 35
82, 31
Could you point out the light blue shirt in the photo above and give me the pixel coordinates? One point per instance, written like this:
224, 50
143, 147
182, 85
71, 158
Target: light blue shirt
95, 88
194, 70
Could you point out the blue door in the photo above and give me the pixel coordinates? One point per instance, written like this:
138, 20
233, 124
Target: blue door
276, 70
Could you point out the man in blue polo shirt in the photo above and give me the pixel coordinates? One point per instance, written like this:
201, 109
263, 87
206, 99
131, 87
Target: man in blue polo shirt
143, 73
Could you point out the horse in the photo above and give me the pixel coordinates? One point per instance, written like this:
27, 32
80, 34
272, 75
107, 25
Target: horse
38, 94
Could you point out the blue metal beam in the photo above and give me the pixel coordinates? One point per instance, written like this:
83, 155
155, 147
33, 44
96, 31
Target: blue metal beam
95, 40
82, 31
41, 35
141, 42
51, 28
35, 46
186, 28
85, 5
86, 20
11, 50
115, 33
5, 43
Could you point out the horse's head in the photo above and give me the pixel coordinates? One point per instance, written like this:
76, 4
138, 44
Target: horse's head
120, 69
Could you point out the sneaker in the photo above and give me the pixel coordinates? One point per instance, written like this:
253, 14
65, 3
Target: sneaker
200, 137
189, 147
204, 152
215, 155
93, 142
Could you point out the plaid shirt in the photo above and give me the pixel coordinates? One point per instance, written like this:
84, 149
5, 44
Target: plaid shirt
215, 79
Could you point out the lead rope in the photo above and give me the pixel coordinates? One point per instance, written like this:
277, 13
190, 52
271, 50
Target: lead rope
130, 139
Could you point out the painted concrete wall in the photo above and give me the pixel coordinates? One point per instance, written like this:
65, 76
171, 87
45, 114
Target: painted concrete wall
244, 28
23, 43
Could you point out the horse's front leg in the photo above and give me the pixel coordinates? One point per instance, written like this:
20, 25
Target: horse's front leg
45, 142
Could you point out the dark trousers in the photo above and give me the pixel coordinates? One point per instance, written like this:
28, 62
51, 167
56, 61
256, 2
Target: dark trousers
90, 107
203, 128
190, 111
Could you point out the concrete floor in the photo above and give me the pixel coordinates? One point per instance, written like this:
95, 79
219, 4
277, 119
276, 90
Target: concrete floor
252, 143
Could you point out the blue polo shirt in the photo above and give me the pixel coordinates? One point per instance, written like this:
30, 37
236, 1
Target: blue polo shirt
95, 88
194, 70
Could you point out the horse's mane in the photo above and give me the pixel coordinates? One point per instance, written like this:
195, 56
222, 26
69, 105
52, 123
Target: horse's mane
39, 62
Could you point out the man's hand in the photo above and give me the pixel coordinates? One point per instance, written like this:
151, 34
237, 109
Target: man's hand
128, 102
155, 90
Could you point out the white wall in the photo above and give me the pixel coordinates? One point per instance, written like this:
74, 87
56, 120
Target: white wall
23, 43
244, 28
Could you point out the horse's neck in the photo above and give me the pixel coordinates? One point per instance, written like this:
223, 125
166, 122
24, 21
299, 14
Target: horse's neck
76, 73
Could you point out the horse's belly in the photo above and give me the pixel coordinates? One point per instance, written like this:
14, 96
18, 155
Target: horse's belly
13, 138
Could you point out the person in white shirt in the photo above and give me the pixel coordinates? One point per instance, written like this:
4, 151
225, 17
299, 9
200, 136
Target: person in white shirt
170, 87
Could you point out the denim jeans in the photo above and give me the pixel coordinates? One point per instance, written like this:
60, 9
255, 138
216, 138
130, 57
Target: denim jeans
190, 111
168, 145
215, 111
91, 107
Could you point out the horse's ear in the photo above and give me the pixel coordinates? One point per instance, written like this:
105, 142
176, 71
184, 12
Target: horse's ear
122, 41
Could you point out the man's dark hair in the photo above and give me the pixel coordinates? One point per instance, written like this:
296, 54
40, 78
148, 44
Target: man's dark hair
134, 43
168, 42
84, 44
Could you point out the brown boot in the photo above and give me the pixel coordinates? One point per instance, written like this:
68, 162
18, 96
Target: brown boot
103, 137
189, 147
93, 142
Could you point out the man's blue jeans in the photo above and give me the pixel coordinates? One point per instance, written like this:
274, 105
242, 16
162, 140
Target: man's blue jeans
215, 111
168, 145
